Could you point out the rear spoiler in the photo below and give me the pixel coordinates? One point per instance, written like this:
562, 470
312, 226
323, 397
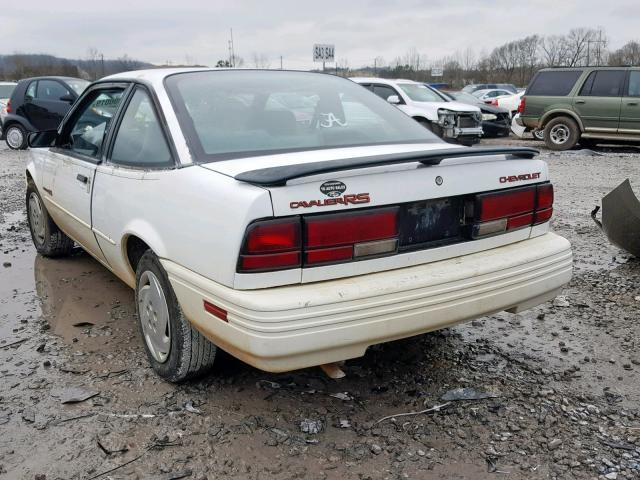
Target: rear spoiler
278, 176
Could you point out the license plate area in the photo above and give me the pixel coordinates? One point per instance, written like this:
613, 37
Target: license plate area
431, 223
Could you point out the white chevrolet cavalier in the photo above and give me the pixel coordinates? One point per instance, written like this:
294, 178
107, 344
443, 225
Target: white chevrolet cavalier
290, 218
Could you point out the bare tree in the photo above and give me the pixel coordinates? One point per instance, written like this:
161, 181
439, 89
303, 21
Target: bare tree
260, 60
628, 54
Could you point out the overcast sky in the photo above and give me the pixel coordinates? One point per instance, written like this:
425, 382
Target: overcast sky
198, 31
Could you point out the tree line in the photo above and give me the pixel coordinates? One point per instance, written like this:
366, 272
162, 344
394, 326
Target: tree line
513, 62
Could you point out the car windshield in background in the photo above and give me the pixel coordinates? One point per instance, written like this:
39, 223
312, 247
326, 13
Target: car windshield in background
6, 91
464, 97
232, 114
78, 86
420, 93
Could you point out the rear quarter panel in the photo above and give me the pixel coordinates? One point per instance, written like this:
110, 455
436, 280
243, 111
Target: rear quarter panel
191, 216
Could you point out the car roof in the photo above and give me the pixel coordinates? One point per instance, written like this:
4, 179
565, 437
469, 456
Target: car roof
51, 77
383, 80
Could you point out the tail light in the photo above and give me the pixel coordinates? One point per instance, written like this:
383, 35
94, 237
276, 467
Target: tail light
9, 106
512, 209
271, 245
333, 238
345, 236
522, 105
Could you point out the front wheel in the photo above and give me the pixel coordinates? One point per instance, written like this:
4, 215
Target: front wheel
48, 239
175, 349
16, 137
561, 133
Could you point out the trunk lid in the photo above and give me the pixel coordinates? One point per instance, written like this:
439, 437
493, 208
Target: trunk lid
431, 195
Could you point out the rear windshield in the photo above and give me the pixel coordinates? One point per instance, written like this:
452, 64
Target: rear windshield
231, 114
553, 83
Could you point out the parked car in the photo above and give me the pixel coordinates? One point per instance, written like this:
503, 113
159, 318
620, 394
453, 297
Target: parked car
487, 96
38, 104
496, 121
6, 88
585, 105
490, 86
285, 242
509, 102
453, 121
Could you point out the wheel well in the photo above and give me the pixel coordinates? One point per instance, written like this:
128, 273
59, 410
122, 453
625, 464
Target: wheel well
135, 249
560, 114
29, 178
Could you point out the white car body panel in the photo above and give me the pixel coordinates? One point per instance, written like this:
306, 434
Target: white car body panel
510, 103
194, 218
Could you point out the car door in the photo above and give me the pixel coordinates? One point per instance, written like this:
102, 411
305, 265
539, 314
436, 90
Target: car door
70, 166
630, 108
599, 100
48, 106
127, 187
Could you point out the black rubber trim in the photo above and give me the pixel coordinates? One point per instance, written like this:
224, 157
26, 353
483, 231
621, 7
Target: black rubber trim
278, 176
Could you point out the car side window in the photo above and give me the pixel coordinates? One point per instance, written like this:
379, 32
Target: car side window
86, 131
140, 140
586, 87
634, 84
607, 83
31, 91
51, 90
384, 92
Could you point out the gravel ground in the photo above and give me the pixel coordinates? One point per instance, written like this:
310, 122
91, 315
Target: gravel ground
559, 385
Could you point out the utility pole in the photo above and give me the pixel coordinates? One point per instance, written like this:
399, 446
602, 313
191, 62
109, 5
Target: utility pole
599, 43
280, 62
102, 63
233, 53
375, 66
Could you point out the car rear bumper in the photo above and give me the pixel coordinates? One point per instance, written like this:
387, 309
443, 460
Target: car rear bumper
292, 327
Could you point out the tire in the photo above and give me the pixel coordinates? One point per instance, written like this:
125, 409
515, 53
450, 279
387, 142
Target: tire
176, 351
538, 135
561, 133
16, 137
436, 129
48, 239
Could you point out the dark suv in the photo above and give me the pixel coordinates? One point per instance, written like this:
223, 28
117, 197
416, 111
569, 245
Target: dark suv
38, 104
586, 105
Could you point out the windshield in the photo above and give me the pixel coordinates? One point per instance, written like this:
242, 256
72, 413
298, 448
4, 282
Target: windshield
77, 85
420, 93
464, 97
231, 114
6, 90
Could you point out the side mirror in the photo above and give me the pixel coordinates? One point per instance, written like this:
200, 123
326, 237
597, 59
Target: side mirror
42, 139
393, 99
67, 98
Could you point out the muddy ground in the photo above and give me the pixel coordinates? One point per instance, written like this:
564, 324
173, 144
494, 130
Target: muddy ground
562, 380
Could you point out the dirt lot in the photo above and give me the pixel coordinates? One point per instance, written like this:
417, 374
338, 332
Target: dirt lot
562, 380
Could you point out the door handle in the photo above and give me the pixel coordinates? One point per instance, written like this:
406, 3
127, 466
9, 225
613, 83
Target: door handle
81, 178
633, 104
580, 101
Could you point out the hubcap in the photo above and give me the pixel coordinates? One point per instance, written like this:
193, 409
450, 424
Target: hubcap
36, 218
14, 137
559, 134
154, 316
539, 134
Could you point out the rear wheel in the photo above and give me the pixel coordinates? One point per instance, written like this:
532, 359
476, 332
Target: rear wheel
16, 137
48, 239
175, 349
561, 133
538, 134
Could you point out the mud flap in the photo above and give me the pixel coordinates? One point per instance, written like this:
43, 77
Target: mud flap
621, 218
